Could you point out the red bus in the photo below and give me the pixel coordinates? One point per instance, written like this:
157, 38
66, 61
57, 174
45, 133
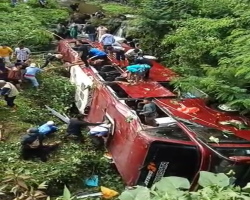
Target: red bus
183, 144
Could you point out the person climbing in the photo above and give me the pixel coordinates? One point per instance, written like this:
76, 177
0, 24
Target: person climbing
83, 48
101, 30
15, 75
149, 111
74, 32
9, 91
51, 57
91, 31
31, 136
145, 61
132, 54
76, 125
107, 40
99, 134
120, 53
47, 129
22, 54
30, 74
95, 53
3, 70
6, 53
135, 72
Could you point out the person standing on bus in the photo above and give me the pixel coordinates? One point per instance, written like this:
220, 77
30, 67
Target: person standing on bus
149, 111
144, 61
119, 53
132, 54
107, 40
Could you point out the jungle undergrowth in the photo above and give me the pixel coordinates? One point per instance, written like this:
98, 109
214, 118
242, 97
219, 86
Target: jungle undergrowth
72, 163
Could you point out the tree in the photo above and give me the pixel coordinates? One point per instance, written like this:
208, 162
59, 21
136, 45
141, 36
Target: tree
206, 42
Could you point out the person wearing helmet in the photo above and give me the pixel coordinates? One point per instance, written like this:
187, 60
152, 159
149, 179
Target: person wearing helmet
47, 129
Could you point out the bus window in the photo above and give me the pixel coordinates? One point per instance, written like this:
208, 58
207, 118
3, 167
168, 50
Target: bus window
220, 165
169, 159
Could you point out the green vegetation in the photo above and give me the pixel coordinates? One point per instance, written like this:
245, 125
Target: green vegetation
214, 187
204, 41
27, 23
72, 163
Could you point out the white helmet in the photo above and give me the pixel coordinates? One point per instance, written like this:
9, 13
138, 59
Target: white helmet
50, 123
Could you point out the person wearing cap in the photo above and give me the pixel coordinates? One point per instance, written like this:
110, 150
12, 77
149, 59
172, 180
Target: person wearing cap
30, 74
76, 125
6, 53
47, 129
98, 134
51, 57
149, 111
9, 91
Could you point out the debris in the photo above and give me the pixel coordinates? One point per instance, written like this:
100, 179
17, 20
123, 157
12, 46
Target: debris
108, 193
214, 139
97, 194
108, 156
64, 118
92, 181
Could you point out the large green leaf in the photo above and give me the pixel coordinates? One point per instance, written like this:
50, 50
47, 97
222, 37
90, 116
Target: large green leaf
209, 178
172, 183
66, 193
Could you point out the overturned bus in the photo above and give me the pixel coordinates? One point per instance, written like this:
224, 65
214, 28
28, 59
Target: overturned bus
185, 141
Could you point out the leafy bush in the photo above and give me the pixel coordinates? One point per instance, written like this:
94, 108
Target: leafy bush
204, 41
214, 187
28, 24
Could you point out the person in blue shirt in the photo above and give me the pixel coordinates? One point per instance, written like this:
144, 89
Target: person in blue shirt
47, 128
96, 54
136, 72
30, 74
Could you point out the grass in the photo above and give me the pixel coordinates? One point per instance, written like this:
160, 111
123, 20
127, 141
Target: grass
112, 8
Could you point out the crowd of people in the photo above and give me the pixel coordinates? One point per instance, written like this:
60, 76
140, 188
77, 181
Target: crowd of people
17, 66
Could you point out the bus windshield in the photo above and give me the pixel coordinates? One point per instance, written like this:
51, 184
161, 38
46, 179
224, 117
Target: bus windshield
240, 171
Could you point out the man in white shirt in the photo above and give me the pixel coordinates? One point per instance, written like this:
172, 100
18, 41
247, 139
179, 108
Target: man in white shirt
119, 53
101, 30
22, 54
99, 133
132, 54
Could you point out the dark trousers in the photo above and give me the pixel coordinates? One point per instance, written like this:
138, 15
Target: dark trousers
10, 101
120, 55
46, 63
147, 71
79, 136
92, 37
85, 60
